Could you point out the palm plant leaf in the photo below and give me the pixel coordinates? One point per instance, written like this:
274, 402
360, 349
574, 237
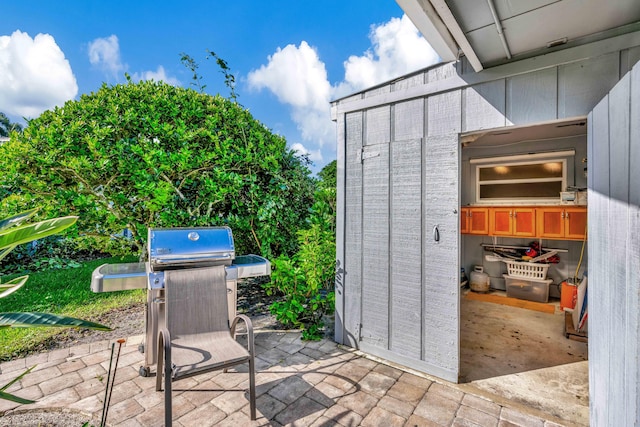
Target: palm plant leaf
5, 251
8, 396
21, 320
26, 233
17, 219
12, 285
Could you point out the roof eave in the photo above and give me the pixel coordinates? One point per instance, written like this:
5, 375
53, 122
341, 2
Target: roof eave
439, 27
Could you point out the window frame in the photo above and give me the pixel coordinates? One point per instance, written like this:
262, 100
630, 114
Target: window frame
520, 160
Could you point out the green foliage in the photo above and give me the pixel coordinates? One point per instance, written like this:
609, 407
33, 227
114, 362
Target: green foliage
328, 175
149, 154
306, 279
53, 252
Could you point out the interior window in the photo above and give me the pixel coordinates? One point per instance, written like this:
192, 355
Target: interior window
535, 180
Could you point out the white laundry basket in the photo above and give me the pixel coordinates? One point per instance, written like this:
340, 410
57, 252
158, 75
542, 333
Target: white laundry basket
527, 270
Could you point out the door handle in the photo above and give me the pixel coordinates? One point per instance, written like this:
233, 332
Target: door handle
436, 233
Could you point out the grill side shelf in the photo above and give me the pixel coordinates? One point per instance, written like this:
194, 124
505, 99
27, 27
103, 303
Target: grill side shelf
119, 277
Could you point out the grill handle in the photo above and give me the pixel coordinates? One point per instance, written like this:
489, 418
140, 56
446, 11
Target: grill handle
190, 259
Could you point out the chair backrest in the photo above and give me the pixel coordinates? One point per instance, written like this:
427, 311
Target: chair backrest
196, 301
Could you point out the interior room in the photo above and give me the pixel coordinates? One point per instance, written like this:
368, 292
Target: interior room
524, 257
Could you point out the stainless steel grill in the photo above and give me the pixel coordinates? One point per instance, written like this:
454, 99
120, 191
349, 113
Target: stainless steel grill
174, 249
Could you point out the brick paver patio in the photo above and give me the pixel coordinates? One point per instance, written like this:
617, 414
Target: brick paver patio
298, 384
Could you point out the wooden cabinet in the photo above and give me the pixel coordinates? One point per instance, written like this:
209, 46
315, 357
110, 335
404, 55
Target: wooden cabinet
474, 220
562, 223
543, 222
512, 221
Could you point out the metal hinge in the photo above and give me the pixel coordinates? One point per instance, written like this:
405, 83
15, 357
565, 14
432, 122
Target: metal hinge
367, 155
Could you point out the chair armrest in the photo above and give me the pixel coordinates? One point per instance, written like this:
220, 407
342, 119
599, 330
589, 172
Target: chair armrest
246, 321
164, 354
249, 327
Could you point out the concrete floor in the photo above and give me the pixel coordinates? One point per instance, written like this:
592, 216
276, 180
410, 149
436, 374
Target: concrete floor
523, 355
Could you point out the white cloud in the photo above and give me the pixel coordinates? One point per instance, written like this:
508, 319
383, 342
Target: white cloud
105, 54
34, 75
397, 49
159, 75
298, 78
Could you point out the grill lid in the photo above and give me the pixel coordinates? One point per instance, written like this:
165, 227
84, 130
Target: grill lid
190, 247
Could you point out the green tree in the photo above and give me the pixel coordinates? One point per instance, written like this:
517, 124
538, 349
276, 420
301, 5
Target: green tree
148, 154
6, 126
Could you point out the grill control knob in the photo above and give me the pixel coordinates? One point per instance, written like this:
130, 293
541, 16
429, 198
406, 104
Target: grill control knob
193, 236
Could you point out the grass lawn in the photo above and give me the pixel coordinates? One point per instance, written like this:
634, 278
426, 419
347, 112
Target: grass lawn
66, 292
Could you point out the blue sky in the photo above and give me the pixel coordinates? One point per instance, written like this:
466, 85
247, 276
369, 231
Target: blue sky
289, 57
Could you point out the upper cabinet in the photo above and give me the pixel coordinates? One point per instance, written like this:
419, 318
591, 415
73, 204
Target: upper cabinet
551, 222
512, 221
474, 220
568, 223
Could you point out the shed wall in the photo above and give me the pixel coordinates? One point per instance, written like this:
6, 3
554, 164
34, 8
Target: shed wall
614, 250
389, 201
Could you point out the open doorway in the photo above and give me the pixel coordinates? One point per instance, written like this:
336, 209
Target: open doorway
515, 181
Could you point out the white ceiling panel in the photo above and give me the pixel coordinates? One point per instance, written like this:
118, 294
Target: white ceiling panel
527, 25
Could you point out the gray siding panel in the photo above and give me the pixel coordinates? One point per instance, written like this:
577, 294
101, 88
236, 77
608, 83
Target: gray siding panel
340, 228
375, 246
353, 229
483, 106
614, 224
598, 152
406, 253
378, 125
618, 235
532, 97
444, 114
582, 84
440, 258
632, 362
408, 120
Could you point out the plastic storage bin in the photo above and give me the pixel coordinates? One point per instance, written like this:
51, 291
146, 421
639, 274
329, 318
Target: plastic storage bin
529, 289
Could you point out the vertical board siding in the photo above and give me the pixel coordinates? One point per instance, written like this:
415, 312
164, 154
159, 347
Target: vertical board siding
598, 217
618, 234
443, 72
440, 259
406, 253
378, 128
582, 84
375, 246
340, 228
483, 106
614, 230
410, 81
444, 114
532, 97
632, 363
408, 120
353, 229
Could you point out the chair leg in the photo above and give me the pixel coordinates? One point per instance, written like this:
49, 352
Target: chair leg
252, 387
164, 357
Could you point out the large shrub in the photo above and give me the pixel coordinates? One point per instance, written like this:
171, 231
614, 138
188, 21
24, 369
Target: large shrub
306, 279
148, 154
